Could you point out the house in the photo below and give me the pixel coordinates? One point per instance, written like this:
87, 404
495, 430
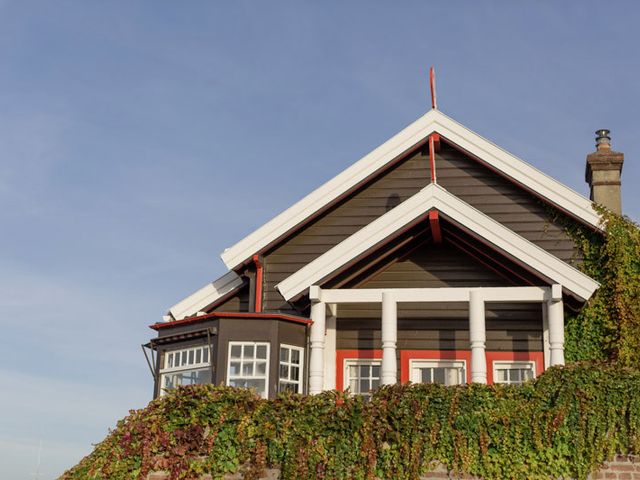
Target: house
437, 257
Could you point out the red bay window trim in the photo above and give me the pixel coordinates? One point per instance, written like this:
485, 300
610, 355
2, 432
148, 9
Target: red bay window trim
268, 316
407, 355
343, 355
536, 357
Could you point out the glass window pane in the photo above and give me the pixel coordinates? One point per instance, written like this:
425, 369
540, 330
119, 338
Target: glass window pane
438, 375
353, 385
375, 370
248, 351
364, 370
528, 374
284, 371
261, 352
192, 355
284, 354
183, 361
426, 375
364, 385
199, 355
295, 373
170, 360
206, 354
247, 369
295, 357
234, 368
261, 368
236, 351
375, 384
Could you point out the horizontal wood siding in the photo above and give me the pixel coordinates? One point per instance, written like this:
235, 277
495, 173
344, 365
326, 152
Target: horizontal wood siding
383, 194
239, 302
500, 199
516, 334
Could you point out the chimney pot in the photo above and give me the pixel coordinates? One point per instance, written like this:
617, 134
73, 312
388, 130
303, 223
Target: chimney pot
603, 140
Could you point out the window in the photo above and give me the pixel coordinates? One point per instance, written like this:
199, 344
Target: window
189, 366
249, 366
444, 372
290, 372
513, 373
362, 376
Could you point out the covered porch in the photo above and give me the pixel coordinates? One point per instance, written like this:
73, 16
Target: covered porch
325, 308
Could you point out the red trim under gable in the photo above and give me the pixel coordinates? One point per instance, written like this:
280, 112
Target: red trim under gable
537, 357
407, 355
271, 316
434, 221
342, 355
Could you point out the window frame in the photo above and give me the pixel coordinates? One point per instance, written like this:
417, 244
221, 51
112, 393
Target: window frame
349, 362
165, 370
440, 363
242, 344
300, 381
512, 364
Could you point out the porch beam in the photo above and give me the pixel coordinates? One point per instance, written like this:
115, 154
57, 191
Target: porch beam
461, 294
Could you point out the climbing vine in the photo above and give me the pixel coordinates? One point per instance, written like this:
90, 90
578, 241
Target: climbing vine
608, 327
562, 425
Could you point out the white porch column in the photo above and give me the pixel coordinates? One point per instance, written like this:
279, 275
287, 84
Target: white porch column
555, 316
478, 337
389, 368
316, 339
330, 349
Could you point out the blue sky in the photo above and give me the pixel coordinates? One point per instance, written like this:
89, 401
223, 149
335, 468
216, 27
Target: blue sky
139, 139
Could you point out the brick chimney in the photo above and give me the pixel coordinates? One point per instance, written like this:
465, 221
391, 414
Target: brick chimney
604, 167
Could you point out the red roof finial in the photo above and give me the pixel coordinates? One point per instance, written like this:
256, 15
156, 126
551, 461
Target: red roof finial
432, 84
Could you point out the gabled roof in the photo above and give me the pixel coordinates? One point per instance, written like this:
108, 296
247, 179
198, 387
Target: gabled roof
415, 209
206, 296
502, 161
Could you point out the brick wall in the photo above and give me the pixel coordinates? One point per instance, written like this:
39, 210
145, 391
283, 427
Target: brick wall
623, 467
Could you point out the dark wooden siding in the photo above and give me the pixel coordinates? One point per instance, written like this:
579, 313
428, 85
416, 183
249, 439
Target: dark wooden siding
394, 187
440, 326
258, 330
464, 177
502, 200
239, 302
516, 334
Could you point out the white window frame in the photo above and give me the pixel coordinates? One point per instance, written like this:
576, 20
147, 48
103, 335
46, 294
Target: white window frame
300, 367
169, 357
512, 364
416, 363
350, 362
264, 394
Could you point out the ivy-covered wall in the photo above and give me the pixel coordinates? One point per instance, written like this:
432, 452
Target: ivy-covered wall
564, 424
609, 326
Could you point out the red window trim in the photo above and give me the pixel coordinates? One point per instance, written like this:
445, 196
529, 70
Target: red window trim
407, 355
536, 357
343, 355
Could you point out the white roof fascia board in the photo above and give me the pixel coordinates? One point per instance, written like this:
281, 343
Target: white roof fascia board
434, 196
517, 169
433, 121
328, 192
206, 296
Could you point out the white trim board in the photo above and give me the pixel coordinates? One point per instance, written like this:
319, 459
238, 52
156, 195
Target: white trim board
206, 296
434, 196
433, 121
